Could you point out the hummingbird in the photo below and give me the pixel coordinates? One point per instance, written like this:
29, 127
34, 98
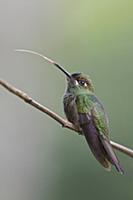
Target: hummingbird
86, 112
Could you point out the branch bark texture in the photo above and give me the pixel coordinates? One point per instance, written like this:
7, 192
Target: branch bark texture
57, 118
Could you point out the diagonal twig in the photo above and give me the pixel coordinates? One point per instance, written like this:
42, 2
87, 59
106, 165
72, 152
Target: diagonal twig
60, 120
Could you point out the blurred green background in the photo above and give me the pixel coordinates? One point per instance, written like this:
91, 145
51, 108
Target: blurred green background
39, 159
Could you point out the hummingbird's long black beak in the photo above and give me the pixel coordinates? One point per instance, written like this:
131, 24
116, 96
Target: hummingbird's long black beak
68, 75
63, 70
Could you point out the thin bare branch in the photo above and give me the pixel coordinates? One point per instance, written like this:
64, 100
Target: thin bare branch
54, 116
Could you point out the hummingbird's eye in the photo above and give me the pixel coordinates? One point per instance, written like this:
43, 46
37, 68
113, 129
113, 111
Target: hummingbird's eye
82, 83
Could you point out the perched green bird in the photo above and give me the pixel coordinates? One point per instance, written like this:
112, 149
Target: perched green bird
86, 112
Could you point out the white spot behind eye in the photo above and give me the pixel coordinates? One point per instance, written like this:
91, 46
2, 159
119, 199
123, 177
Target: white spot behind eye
85, 84
76, 83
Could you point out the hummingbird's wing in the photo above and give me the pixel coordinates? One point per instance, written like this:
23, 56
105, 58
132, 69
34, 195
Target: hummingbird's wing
70, 109
94, 123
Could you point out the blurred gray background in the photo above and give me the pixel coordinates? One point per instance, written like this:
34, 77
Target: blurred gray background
39, 159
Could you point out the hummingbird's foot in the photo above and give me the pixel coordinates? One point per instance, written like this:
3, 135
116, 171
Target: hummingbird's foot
76, 127
80, 132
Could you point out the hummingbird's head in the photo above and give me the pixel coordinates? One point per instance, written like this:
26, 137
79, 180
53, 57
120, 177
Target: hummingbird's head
80, 81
